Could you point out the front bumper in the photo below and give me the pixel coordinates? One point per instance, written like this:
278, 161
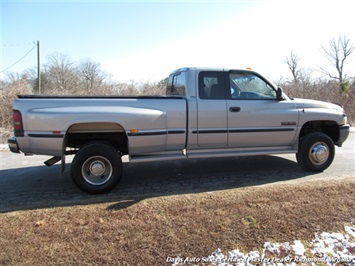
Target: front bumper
12, 142
344, 132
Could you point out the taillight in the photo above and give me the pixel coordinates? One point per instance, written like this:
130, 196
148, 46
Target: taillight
18, 126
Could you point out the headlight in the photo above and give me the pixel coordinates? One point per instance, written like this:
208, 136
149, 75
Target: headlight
345, 120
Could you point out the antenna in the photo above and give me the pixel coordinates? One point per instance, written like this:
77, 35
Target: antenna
38, 69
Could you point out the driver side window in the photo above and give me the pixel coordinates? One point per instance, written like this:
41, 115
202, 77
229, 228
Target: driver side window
248, 86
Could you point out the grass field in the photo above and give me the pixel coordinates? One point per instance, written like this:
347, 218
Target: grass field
148, 231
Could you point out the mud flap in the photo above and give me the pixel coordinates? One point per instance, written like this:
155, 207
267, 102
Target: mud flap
62, 168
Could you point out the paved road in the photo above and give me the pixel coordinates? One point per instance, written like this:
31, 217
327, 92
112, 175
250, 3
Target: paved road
25, 183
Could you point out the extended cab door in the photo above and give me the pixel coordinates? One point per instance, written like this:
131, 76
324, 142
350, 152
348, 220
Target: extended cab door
255, 117
212, 128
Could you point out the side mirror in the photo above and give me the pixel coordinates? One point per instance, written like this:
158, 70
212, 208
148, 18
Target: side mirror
279, 94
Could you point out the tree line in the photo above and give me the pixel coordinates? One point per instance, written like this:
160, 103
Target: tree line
61, 75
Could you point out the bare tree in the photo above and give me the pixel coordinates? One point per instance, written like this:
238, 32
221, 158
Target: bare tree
292, 63
90, 74
337, 52
60, 72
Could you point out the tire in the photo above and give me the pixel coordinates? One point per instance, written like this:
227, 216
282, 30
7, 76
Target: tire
96, 168
316, 152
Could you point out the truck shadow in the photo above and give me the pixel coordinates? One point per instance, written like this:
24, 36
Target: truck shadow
41, 187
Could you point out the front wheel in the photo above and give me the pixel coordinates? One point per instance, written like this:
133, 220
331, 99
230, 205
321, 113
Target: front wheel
96, 168
316, 152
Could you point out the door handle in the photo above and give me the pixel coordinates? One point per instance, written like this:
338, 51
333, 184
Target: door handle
234, 109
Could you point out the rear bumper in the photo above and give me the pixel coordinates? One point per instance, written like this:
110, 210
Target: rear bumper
12, 142
344, 132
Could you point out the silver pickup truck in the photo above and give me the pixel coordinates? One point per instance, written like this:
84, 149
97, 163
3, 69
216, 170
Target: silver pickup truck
206, 113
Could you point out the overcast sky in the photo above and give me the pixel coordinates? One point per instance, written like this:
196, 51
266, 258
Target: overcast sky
146, 40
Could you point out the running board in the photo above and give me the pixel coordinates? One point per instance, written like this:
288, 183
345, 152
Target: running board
209, 153
156, 157
236, 152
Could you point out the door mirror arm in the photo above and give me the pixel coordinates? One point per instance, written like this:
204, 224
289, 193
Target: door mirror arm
279, 94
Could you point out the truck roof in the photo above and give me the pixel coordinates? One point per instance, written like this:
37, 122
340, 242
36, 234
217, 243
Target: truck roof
209, 69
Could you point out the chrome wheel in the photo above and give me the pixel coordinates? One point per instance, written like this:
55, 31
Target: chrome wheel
97, 170
319, 153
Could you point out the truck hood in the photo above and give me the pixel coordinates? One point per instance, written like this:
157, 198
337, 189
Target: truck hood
306, 103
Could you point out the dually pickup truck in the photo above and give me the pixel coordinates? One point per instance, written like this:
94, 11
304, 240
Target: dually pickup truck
206, 113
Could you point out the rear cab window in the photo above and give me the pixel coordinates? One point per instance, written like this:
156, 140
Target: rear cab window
176, 84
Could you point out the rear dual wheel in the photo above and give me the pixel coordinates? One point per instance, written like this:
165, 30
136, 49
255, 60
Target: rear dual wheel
97, 168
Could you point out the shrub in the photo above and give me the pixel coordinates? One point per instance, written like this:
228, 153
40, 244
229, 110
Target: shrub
328, 91
8, 93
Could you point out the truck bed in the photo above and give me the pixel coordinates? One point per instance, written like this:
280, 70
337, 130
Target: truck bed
151, 123
45, 96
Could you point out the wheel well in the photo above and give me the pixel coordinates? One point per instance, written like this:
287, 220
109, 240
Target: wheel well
79, 135
329, 128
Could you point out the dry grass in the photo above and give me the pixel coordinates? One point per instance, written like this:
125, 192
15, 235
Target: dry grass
147, 231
